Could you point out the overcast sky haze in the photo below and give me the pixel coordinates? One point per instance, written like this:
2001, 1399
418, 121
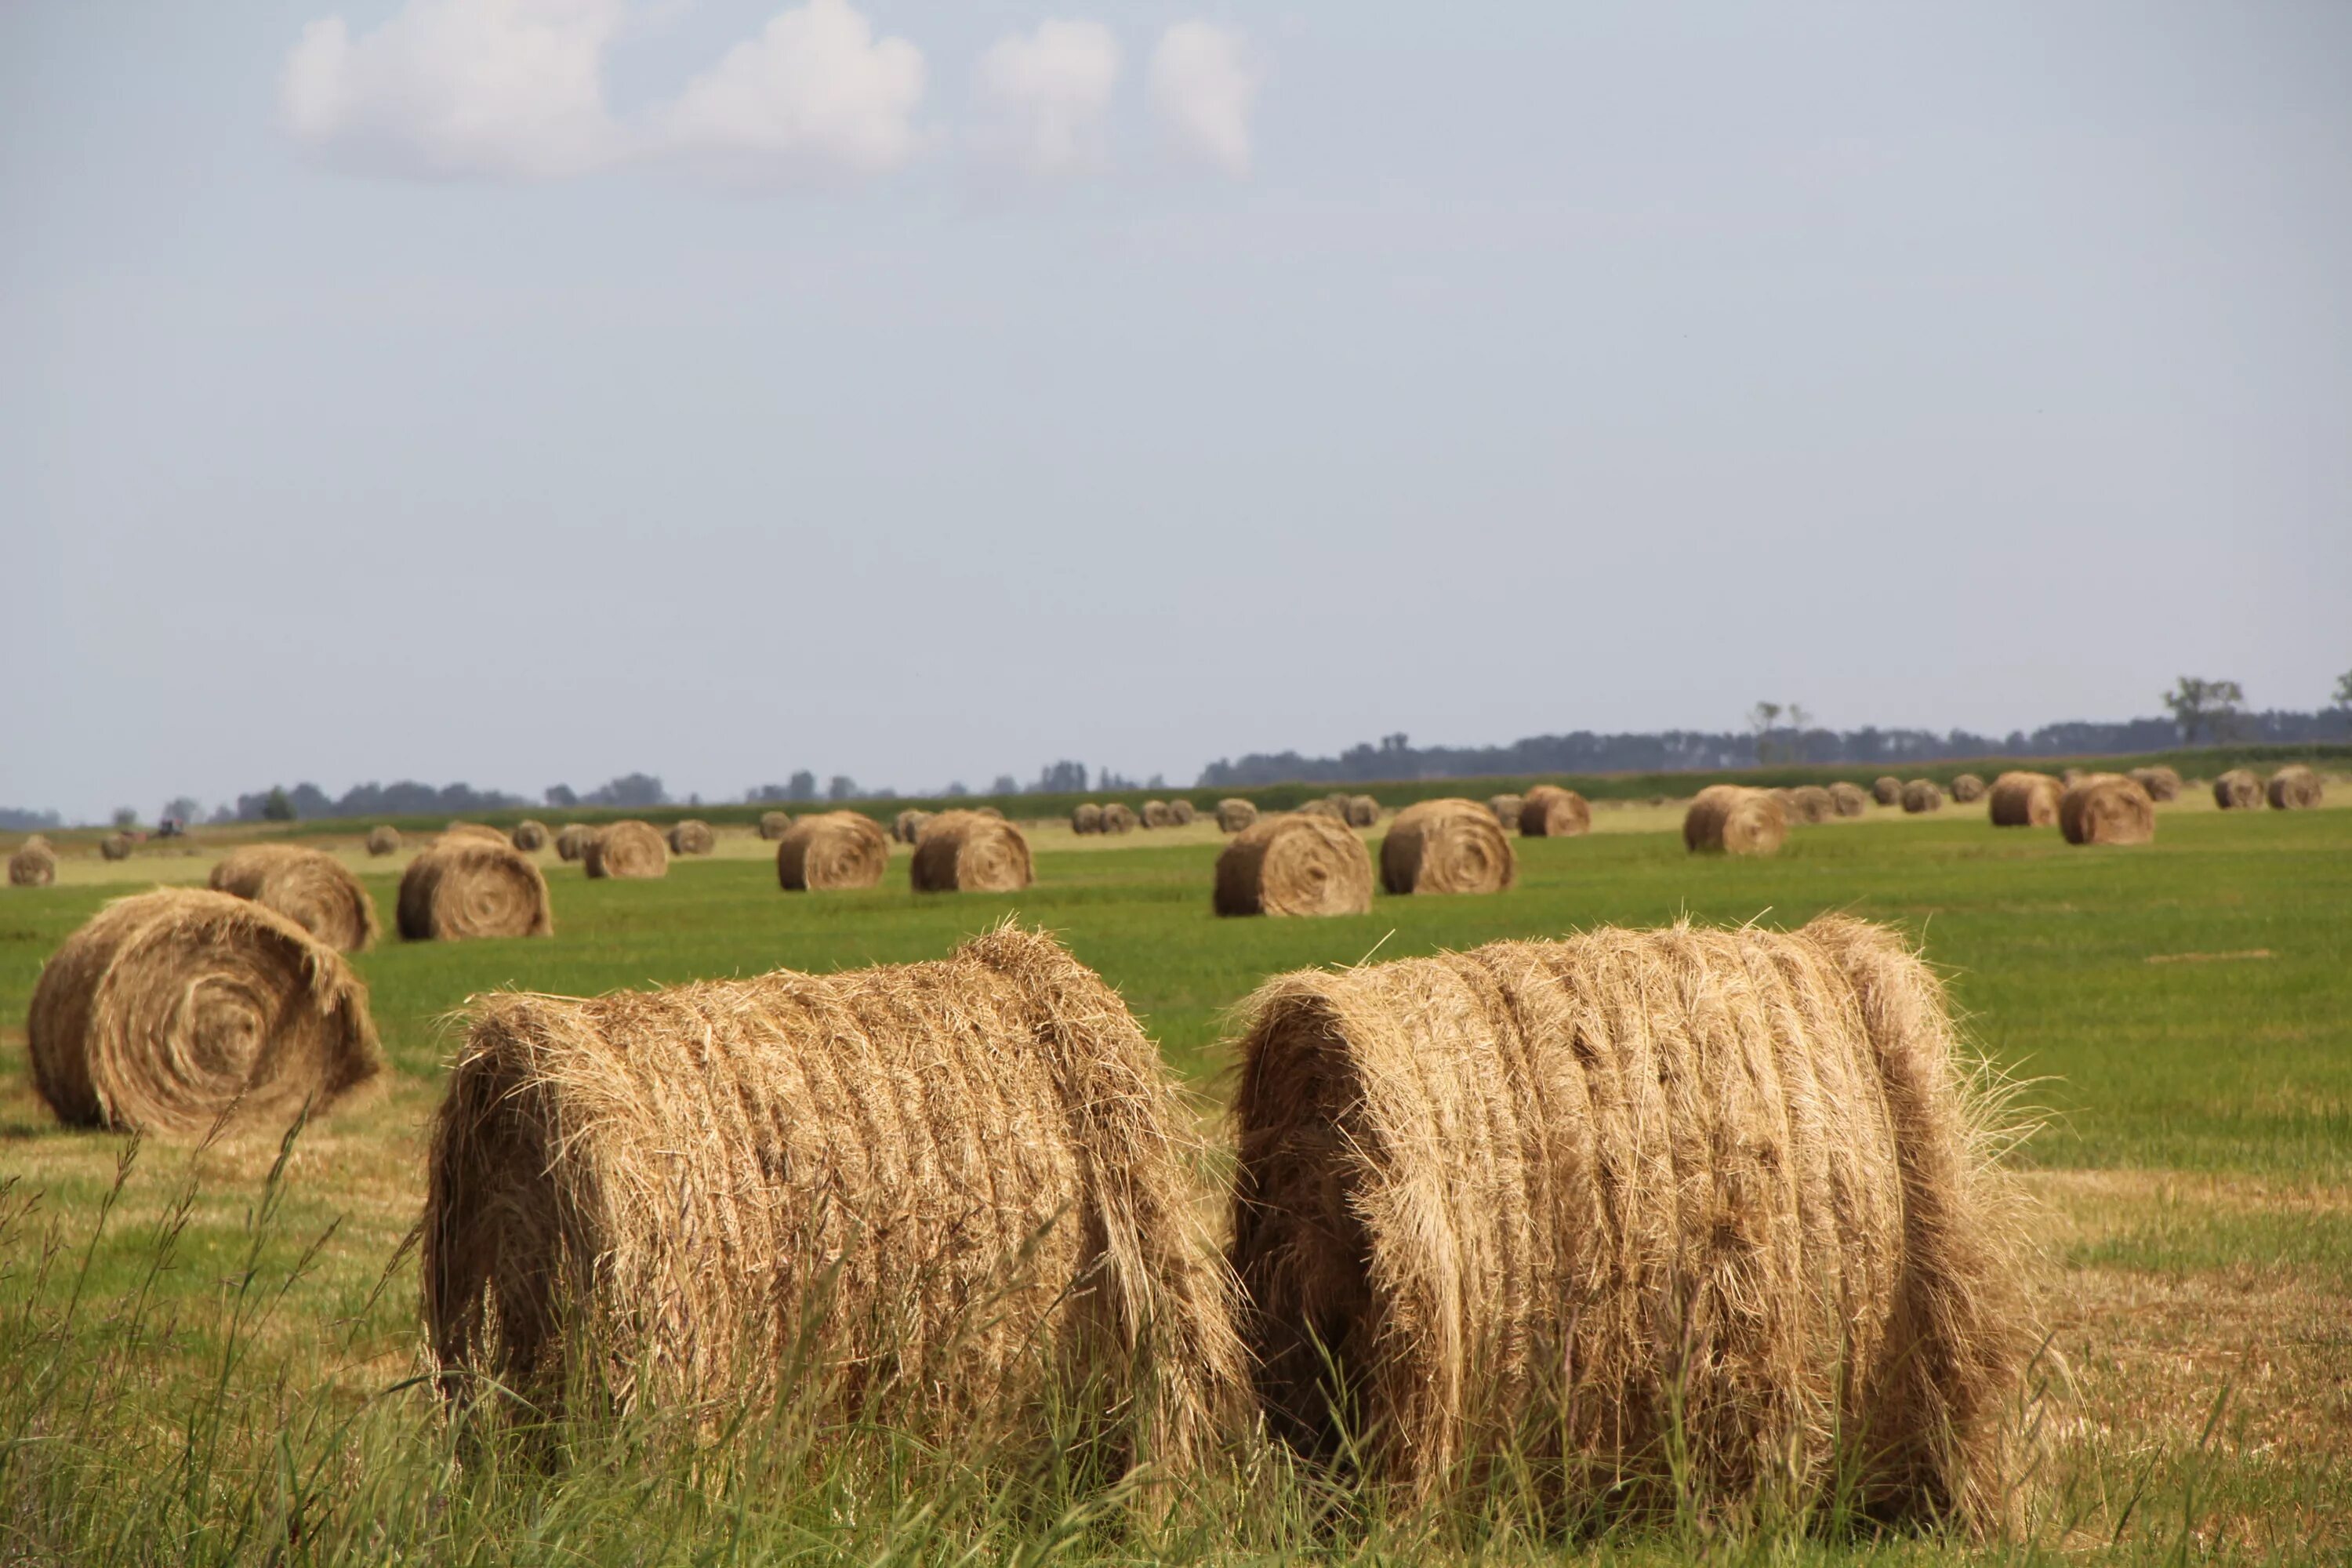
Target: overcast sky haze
526, 391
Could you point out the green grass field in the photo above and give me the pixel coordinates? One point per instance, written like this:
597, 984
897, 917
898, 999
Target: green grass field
204, 1379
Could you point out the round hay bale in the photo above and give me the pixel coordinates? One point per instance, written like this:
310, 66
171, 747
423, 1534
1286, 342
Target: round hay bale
2162, 784
572, 840
1732, 819
990, 812
114, 846
1549, 811
964, 852
1155, 815
2238, 790
1446, 846
1296, 863
2070, 777
2294, 788
2020, 799
1682, 1215
1505, 808
691, 835
1968, 788
832, 849
482, 831
460, 890
1849, 799
772, 825
1922, 794
34, 865
1086, 817
628, 848
2106, 809
1808, 803
907, 827
1117, 818
529, 836
1326, 807
1363, 811
1235, 813
309, 886
384, 839
1887, 790
935, 1198
172, 1009
1180, 813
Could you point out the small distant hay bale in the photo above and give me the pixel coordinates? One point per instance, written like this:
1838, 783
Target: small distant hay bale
483, 831
1446, 846
1808, 803
529, 836
34, 865
1549, 811
1849, 799
2238, 790
828, 850
1363, 811
1968, 788
628, 849
1667, 1215
2106, 809
1732, 819
907, 827
1505, 808
1156, 814
2070, 777
309, 886
1887, 790
462, 890
691, 835
115, 847
1922, 794
1326, 807
2162, 784
949, 1199
2294, 788
1180, 813
1117, 818
1086, 817
2022, 799
1298, 863
965, 852
772, 825
172, 1009
572, 840
1234, 813
384, 839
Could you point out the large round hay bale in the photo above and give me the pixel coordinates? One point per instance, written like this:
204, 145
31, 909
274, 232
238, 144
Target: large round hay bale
1968, 788
482, 831
691, 835
1887, 790
1732, 819
529, 836
907, 827
1363, 811
1117, 818
1235, 813
1549, 811
1155, 815
1296, 863
2238, 790
1181, 812
309, 886
572, 840
772, 825
2162, 784
2019, 799
1921, 795
2294, 788
964, 852
1446, 846
461, 889
1807, 802
1849, 799
627, 850
1505, 808
172, 1009
114, 846
1676, 1217
1086, 817
34, 865
832, 849
939, 1198
384, 839
2106, 809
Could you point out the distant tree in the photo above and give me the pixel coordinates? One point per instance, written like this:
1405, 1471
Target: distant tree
277, 805
629, 790
841, 786
955, 790
1110, 781
126, 817
1061, 778
562, 796
803, 786
2206, 710
182, 809
2343, 690
1762, 720
1006, 783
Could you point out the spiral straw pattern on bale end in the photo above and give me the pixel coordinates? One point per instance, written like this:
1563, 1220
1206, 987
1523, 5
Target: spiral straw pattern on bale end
309, 886
1446, 846
1922, 795
691, 835
1887, 790
924, 1195
2162, 784
529, 836
1732, 819
1117, 818
2294, 788
907, 827
630, 849
384, 840
1968, 788
1155, 815
1549, 811
1182, 814
827, 850
34, 865
1296, 863
1235, 813
114, 846
1806, 803
772, 825
172, 1009
480, 830
464, 888
963, 851
1505, 808
2025, 800
1849, 799
2238, 790
1086, 817
2106, 809
1719, 1196
572, 840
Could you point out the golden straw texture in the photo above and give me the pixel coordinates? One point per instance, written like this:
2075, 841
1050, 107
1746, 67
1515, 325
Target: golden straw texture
1296, 863
629, 848
1732, 819
1446, 846
2106, 809
309, 886
1549, 811
964, 851
832, 849
2238, 790
2294, 788
2025, 800
464, 888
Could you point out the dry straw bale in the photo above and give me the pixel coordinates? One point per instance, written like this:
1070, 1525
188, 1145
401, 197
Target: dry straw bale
1180, 813
309, 886
2024, 800
1156, 814
1363, 811
1505, 808
965, 852
1086, 817
772, 825
1235, 813
572, 840
529, 836
482, 831
34, 865
1446, 846
691, 835
942, 1196
114, 846
462, 889
2162, 784
1849, 799
1887, 790
1549, 811
830, 849
1807, 802
1580, 1199
172, 1009
988, 811
1968, 788
1296, 863
1922, 794
2106, 809
1117, 818
1733, 819
2070, 777
2237, 790
1326, 807
2294, 788
384, 839
907, 827
629, 848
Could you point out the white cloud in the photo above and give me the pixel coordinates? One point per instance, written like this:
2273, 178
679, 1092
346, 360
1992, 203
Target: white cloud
1046, 95
1204, 85
817, 90
508, 88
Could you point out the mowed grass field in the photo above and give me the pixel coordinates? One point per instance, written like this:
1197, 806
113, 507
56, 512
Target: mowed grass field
224, 1370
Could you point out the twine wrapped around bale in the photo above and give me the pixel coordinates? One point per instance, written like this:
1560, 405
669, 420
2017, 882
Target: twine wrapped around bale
173, 1009
944, 1198
1363, 811
1446, 846
2106, 809
1182, 814
691, 835
1295, 863
529, 836
572, 840
309, 886
1968, 788
114, 846
1849, 799
1713, 1210
461, 889
907, 827
384, 840
1549, 811
2240, 789
34, 865
480, 830
627, 850
1117, 818
1235, 813
1732, 819
1155, 813
965, 852
832, 849
1887, 790
1086, 817
1921, 795
1505, 808
2162, 784
2294, 788
1807, 802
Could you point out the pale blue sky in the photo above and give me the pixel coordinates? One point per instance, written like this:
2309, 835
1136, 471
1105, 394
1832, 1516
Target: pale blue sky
1325, 370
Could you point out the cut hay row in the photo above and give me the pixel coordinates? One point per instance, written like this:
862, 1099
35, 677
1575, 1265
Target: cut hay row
34, 864
384, 840
2294, 788
2106, 809
529, 836
1446, 846
172, 1009
691, 835
628, 849
1922, 795
309, 886
2021, 799
1730, 819
971, 852
1298, 863
832, 849
1549, 811
465, 888
2238, 790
